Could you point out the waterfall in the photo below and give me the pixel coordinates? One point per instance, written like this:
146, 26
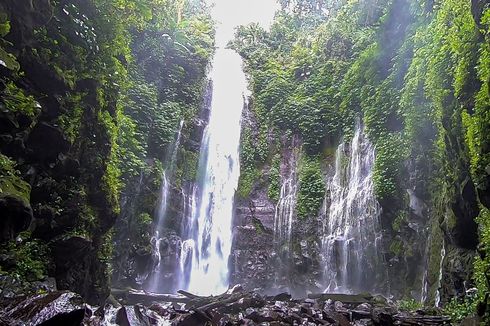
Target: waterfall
205, 251
283, 217
285, 212
351, 227
171, 157
439, 280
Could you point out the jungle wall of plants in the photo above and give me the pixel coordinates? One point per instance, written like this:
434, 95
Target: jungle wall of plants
92, 93
417, 75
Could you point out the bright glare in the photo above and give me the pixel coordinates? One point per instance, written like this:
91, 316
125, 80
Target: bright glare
233, 13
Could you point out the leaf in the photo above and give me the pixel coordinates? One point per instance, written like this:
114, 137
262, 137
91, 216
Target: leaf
8, 60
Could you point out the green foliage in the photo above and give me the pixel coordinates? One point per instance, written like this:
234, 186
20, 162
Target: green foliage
4, 24
189, 165
460, 309
482, 262
399, 221
29, 257
396, 247
7, 59
390, 151
7, 166
248, 177
311, 187
409, 305
15, 101
10, 182
70, 122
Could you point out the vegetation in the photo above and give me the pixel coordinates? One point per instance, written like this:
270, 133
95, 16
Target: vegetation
91, 99
409, 305
28, 259
92, 94
460, 309
312, 188
416, 74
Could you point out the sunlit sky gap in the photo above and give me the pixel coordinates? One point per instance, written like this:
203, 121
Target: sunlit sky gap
233, 13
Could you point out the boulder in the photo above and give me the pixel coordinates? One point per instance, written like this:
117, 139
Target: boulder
16, 216
46, 142
78, 268
57, 308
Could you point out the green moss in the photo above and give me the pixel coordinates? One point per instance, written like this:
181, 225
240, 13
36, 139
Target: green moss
399, 221
190, 165
397, 247
259, 227
247, 182
111, 182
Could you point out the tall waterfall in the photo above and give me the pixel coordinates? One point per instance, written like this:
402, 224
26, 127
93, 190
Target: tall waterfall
205, 252
171, 157
351, 227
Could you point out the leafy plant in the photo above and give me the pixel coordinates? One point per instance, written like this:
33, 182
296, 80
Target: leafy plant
460, 309
409, 305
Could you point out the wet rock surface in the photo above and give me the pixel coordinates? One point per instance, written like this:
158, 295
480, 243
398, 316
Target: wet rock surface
232, 308
57, 308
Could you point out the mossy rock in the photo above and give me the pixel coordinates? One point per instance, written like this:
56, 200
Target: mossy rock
13, 186
15, 207
14, 203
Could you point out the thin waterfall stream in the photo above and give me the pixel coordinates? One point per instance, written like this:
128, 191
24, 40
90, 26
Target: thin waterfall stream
156, 276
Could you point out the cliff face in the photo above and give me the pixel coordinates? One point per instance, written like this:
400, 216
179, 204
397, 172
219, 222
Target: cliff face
63, 171
92, 97
389, 67
426, 250
86, 116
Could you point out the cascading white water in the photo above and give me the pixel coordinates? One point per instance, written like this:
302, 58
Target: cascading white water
283, 218
285, 208
439, 280
204, 257
171, 157
351, 227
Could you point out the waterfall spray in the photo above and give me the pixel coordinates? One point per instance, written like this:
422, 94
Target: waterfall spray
208, 234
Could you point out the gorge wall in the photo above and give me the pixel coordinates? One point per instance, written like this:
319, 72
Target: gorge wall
414, 74
364, 152
92, 94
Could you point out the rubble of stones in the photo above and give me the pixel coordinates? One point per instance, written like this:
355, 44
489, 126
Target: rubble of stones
66, 308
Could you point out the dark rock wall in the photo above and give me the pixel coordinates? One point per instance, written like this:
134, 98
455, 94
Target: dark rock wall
260, 261
67, 195
415, 229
